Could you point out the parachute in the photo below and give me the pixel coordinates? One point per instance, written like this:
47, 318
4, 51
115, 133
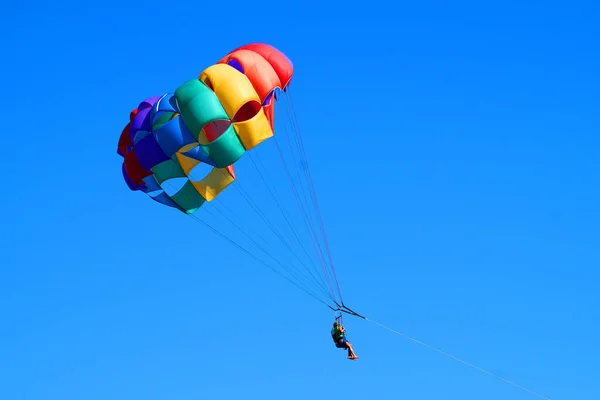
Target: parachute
214, 119
212, 122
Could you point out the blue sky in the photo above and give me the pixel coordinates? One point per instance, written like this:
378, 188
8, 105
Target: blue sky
454, 150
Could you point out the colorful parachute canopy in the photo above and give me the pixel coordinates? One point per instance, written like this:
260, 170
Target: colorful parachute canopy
213, 119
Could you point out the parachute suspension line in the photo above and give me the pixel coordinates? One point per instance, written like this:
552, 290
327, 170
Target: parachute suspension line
246, 196
313, 237
284, 266
308, 208
217, 204
457, 359
304, 197
299, 284
305, 211
314, 281
258, 259
286, 215
292, 112
329, 268
222, 209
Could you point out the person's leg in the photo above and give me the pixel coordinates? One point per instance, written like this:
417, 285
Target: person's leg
351, 353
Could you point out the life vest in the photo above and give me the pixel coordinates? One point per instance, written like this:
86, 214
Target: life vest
337, 335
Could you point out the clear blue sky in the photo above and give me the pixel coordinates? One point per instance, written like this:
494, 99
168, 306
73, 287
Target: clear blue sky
454, 148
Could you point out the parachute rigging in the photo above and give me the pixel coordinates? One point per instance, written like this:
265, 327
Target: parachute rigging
293, 246
224, 119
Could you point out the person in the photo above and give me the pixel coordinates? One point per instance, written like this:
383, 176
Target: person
338, 333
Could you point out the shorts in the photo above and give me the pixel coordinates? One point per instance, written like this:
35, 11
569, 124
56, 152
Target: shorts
343, 345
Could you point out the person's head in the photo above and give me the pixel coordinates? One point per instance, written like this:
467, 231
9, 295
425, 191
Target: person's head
336, 324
